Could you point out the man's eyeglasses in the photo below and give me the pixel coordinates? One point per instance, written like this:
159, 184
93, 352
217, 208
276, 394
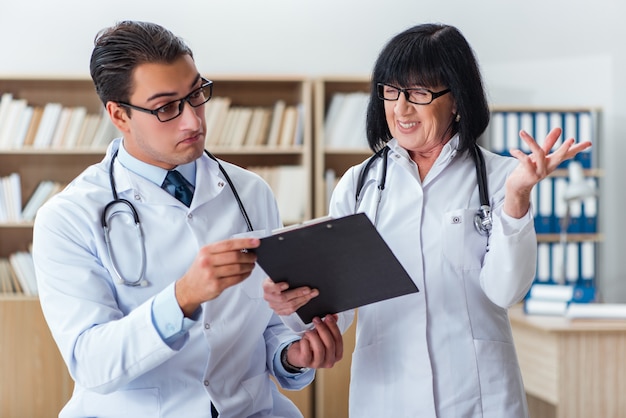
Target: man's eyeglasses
418, 96
173, 109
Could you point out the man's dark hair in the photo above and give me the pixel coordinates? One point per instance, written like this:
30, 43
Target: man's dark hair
119, 49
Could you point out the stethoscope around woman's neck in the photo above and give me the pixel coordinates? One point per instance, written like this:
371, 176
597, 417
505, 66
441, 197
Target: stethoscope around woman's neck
482, 219
140, 280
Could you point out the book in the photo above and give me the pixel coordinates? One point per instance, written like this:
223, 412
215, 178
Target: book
22, 264
345, 258
5, 103
12, 199
240, 127
555, 299
58, 137
88, 130
11, 125
47, 125
216, 119
256, 134
74, 127
33, 126
288, 129
44, 190
545, 307
564, 293
105, 132
276, 123
22, 128
596, 311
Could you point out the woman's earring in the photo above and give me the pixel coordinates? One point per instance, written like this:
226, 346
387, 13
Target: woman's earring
457, 118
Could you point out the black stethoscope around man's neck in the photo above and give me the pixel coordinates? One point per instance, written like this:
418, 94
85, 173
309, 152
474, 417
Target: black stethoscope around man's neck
140, 280
482, 219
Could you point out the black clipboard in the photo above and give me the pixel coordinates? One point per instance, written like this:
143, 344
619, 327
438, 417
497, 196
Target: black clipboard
345, 258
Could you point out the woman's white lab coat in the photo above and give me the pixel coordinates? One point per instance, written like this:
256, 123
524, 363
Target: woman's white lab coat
104, 330
446, 351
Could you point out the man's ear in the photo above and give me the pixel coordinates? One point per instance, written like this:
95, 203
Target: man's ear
119, 116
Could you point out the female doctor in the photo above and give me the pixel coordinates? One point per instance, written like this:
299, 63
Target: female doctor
446, 351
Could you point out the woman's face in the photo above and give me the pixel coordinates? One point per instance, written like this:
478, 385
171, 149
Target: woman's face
421, 128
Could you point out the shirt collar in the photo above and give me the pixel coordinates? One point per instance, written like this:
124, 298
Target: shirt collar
151, 172
448, 151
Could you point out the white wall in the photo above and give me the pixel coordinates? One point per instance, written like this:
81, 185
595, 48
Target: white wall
532, 52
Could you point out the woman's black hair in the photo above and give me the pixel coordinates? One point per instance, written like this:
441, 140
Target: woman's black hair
430, 55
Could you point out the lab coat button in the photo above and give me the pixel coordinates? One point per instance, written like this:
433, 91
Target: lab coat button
220, 184
137, 196
189, 216
206, 383
207, 325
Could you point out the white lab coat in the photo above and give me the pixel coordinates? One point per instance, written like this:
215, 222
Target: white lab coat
104, 330
446, 351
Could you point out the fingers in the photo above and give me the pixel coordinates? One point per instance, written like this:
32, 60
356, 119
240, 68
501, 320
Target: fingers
324, 342
285, 301
218, 266
234, 244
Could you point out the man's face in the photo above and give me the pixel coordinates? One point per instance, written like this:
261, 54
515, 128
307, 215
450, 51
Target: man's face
163, 144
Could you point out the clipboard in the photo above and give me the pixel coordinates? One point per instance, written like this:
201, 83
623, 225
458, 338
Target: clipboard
345, 258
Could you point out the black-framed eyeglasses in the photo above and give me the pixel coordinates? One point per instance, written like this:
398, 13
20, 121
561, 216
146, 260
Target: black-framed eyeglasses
173, 109
420, 96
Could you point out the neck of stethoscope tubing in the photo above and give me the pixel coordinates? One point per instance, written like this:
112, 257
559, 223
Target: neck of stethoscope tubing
141, 281
483, 225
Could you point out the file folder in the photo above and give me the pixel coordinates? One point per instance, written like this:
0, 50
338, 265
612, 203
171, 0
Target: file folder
345, 258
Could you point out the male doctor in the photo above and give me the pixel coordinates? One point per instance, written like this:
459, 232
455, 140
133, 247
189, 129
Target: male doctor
154, 302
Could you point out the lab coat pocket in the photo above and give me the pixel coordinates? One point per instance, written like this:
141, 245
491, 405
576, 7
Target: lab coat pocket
121, 404
463, 247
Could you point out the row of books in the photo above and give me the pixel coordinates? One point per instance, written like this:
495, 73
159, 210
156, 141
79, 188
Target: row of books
52, 125
550, 207
566, 263
233, 126
288, 182
10, 198
17, 274
555, 299
504, 127
11, 210
571, 301
344, 123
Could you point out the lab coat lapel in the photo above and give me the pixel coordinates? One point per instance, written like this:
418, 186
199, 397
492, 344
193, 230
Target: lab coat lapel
210, 182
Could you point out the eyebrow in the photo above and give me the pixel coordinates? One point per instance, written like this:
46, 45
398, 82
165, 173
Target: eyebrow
173, 94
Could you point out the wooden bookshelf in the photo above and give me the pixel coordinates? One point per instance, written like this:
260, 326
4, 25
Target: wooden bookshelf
337, 159
35, 379
332, 385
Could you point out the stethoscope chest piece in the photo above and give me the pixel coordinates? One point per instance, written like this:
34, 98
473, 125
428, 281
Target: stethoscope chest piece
482, 220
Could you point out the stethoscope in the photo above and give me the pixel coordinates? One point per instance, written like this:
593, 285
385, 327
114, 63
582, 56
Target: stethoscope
482, 219
141, 281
